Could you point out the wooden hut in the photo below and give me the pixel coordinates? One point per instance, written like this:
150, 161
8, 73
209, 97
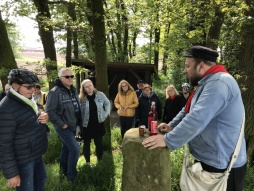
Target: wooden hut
132, 72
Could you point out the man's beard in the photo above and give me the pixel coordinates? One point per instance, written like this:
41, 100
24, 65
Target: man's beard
194, 80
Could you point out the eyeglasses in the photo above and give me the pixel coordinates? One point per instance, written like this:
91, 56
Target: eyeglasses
124, 86
29, 87
67, 77
87, 86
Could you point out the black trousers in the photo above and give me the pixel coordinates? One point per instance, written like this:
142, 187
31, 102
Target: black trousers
98, 148
126, 123
236, 176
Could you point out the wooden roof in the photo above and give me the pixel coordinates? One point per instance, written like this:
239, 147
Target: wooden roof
115, 65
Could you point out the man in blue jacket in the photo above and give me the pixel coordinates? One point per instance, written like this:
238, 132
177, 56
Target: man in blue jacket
211, 120
23, 135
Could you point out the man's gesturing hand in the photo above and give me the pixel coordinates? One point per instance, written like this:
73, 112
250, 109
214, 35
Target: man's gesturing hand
154, 142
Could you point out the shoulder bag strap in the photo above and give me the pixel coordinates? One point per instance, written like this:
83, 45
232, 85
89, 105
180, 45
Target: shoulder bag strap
238, 146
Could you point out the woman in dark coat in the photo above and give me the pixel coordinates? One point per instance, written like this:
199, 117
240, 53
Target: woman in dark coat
145, 101
173, 104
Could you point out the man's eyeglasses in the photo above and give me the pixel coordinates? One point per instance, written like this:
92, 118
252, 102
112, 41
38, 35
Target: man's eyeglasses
67, 77
29, 87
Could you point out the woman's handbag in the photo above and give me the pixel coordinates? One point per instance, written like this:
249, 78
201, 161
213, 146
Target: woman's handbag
194, 178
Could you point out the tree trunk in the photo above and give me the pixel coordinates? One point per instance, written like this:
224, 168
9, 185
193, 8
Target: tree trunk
214, 30
46, 33
126, 32
100, 51
156, 51
246, 60
7, 60
71, 12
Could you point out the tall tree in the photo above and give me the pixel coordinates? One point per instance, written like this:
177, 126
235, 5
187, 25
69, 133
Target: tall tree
99, 37
215, 28
245, 53
7, 60
71, 34
47, 37
100, 45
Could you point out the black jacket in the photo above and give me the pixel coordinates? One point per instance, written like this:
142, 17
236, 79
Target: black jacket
59, 107
172, 108
145, 106
22, 137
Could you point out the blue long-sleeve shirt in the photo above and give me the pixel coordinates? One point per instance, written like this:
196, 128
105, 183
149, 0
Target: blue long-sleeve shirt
212, 126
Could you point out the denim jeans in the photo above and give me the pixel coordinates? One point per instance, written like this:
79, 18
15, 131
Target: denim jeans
32, 175
69, 153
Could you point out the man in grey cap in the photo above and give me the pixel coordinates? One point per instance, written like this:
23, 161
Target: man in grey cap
211, 120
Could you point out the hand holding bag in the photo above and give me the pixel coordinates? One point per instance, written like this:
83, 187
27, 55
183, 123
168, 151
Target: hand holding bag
194, 178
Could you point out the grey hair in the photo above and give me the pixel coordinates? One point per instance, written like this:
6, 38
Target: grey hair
62, 70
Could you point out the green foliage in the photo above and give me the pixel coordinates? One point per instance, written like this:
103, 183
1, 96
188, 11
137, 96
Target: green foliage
15, 39
4, 72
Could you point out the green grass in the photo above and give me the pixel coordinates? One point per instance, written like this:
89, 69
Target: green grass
107, 174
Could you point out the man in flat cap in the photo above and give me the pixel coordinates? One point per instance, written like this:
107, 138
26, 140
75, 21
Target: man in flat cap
211, 120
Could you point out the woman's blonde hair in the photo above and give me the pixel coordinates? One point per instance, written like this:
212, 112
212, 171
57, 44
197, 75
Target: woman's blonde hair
173, 87
83, 93
120, 89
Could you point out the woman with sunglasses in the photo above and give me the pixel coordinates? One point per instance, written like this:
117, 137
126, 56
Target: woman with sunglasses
95, 108
63, 109
126, 101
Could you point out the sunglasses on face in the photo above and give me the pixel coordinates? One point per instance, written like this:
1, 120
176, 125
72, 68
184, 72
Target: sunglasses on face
67, 77
29, 87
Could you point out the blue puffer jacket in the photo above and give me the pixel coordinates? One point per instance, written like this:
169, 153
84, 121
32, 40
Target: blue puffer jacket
22, 137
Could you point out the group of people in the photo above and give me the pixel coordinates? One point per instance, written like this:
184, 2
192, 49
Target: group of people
133, 109
23, 129
209, 119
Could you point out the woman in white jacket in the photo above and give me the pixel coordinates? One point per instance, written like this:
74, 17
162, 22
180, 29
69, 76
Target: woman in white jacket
95, 108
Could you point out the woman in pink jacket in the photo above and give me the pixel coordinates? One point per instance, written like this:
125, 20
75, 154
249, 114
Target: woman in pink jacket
126, 101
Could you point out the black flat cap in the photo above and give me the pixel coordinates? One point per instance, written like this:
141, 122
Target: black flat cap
140, 81
202, 53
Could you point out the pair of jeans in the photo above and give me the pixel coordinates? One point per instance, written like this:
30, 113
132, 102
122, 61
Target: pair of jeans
69, 153
32, 175
98, 149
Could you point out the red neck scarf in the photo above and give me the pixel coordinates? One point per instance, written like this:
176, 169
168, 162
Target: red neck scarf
172, 98
214, 69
